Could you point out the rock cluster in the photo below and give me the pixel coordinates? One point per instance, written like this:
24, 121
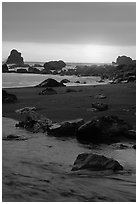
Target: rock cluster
5, 68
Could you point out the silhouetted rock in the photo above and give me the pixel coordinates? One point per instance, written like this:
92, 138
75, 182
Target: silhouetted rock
56, 65
65, 128
65, 81
77, 82
5, 68
95, 162
8, 98
15, 58
33, 70
48, 91
50, 83
105, 129
124, 60
134, 146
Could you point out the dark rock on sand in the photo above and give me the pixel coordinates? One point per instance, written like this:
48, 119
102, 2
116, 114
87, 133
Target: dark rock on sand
15, 58
12, 137
33, 70
65, 81
48, 91
77, 82
33, 122
8, 98
100, 106
105, 129
5, 68
50, 83
95, 162
65, 128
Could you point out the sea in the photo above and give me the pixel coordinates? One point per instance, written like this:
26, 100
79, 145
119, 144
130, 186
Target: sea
12, 80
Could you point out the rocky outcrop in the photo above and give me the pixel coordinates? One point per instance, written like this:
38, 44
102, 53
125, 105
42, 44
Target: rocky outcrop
48, 91
50, 83
12, 137
95, 162
66, 128
54, 65
33, 121
33, 70
5, 68
15, 58
8, 98
124, 60
105, 129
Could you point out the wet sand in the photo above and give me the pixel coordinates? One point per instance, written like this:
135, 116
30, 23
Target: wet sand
39, 169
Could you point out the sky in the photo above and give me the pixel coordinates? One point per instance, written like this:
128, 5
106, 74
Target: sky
95, 32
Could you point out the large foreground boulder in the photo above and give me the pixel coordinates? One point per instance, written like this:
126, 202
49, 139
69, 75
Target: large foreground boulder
50, 83
65, 128
95, 162
33, 121
105, 129
8, 98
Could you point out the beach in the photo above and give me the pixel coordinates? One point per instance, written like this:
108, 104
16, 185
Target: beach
39, 169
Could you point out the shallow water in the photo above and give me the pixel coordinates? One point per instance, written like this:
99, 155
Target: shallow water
10, 80
39, 169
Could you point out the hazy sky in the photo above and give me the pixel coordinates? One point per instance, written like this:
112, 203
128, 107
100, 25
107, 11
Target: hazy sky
75, 32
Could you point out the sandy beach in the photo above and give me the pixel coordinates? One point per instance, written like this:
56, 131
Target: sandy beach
39, 169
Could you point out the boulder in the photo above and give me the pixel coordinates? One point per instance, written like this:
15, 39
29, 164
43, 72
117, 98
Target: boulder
105, 129
65, 81
50, 83
100, 106
78, 82
33, 70
121, 60
95, 162
48, 91
15, 58
8, 98
5, 68
134, 146
54, 65
65, 128
33, 122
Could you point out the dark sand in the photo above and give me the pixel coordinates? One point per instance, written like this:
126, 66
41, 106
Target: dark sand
39, 169
65, 106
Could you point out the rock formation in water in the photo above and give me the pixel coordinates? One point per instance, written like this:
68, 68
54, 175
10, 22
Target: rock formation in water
5, 68
15, 58
124, 60
54, 65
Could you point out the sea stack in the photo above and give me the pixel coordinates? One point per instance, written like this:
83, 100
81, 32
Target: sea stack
15, 58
